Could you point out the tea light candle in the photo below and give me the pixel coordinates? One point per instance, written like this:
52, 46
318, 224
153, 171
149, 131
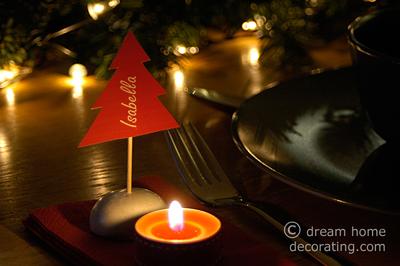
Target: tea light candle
177, 233
177, 225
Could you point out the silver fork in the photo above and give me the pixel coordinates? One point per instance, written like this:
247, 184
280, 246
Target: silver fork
207, 181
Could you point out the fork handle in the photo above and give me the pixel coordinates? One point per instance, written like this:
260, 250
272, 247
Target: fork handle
321, 257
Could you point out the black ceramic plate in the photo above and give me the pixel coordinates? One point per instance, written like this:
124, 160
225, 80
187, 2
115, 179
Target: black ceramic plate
311, 133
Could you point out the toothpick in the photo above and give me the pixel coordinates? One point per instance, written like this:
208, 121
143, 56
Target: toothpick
129, 174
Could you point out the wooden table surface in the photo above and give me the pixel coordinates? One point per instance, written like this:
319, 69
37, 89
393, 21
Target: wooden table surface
42, 120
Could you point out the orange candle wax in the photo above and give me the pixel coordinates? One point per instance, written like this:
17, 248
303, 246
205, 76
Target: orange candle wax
163, 230
194, 227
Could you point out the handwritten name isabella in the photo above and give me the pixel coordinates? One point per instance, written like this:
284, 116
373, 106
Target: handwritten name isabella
129, 87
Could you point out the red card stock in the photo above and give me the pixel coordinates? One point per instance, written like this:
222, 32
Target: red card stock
129, 105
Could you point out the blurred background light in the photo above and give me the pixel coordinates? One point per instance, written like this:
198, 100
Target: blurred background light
98, 8
249, 25
78, 73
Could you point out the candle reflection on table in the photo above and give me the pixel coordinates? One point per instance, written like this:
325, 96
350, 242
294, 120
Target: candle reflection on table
250, 59
179, 79
176, 91
4, 150
10, 96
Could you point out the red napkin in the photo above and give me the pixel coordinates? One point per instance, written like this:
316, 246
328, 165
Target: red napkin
65, 228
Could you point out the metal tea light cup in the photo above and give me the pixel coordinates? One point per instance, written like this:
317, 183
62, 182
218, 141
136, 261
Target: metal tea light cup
197, 246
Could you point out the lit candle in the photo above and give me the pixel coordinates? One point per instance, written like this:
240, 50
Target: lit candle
189, 235
178, 225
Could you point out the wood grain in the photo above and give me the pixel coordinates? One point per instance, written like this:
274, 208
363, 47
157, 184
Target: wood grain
40, 164
27, 254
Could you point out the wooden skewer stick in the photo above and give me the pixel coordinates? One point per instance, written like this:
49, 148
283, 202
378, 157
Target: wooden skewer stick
129, 173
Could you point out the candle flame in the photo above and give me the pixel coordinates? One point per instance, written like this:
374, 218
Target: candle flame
175, 216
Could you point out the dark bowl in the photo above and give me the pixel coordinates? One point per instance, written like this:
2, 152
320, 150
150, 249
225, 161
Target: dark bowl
375, 50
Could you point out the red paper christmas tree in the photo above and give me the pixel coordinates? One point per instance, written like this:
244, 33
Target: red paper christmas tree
129, 105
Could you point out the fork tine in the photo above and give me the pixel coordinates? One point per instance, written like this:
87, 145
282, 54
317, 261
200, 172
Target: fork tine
218, 172
206, 174
187, 144
217, 193
185, 159
191, 155
173, 144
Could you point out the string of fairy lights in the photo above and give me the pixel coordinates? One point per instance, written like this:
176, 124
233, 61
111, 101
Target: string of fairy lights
11, 72
274, 22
